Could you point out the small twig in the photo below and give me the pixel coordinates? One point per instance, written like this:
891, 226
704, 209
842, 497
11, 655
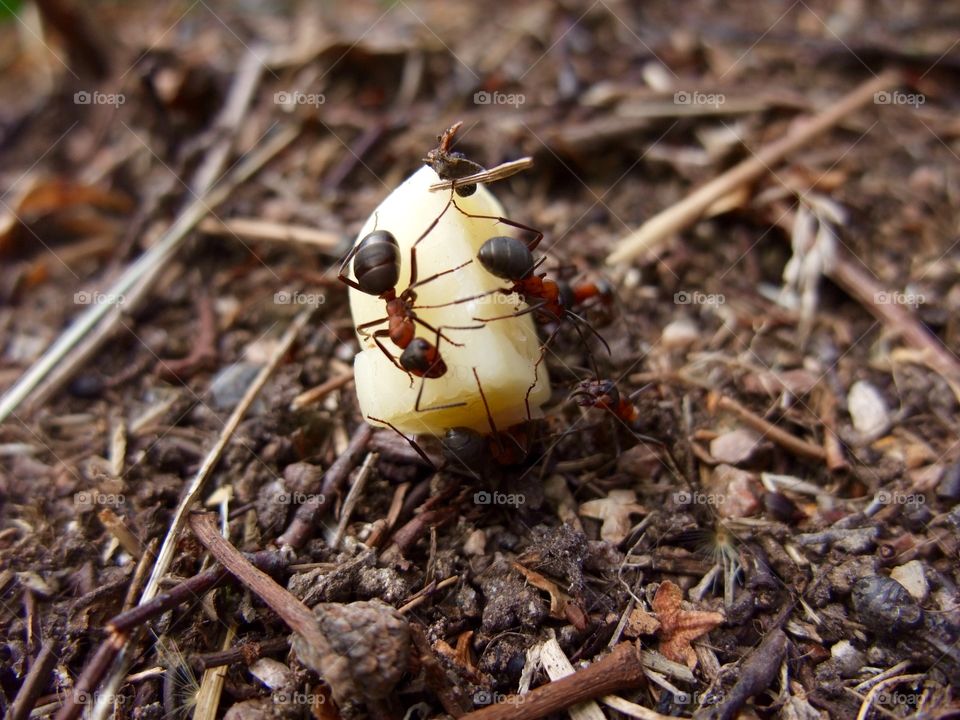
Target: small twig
301, 527
621, 669
419, 597
116, 527
247, 653
203, 353
254, 229
187, 591
35, 681
865, 289
294, 613
353, 497
500, 172
755, 676
875, 690
692, 207
315, 394
781, 437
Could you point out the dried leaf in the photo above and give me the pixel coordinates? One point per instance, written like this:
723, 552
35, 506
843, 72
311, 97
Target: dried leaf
680, 627
736, 446
562, 606
615, 511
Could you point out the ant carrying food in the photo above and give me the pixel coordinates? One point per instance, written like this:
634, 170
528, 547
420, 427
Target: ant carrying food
451, 165
511, 259
376, 267
473, 450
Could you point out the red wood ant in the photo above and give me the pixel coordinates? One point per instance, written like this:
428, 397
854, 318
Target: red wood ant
603, 394
511, 259
451, 165
376, 266
587, 295
472, 450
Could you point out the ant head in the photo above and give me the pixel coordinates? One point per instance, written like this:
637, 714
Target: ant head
376, 264
596, 393
506, 257
421, 358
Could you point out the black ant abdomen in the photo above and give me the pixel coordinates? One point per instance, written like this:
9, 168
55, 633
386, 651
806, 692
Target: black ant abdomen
376, 264
506, 257
464, 445
421, 358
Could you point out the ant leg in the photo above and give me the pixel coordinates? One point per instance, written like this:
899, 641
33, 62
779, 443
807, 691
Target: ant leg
579, 320
438, 330
447, 406
360, 328
376, 338
494, 433
518, 313
457, 302
531, 245
342, 276
433, 277
536, 370
411, 441
413, 248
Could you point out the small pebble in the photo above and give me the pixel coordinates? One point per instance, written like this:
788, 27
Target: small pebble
885, 606
867, 409
912, 576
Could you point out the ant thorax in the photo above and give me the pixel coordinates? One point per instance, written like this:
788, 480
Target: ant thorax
453, 294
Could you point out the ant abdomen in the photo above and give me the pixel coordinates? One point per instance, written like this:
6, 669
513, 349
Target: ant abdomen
464, 445
376, 264
422, 359
506, 257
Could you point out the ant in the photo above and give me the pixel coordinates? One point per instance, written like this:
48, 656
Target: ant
586, 295
472, 449
450, 165
511, 259
376, 266
603, 394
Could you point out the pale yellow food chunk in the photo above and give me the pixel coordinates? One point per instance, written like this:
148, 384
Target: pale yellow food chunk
502, 351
